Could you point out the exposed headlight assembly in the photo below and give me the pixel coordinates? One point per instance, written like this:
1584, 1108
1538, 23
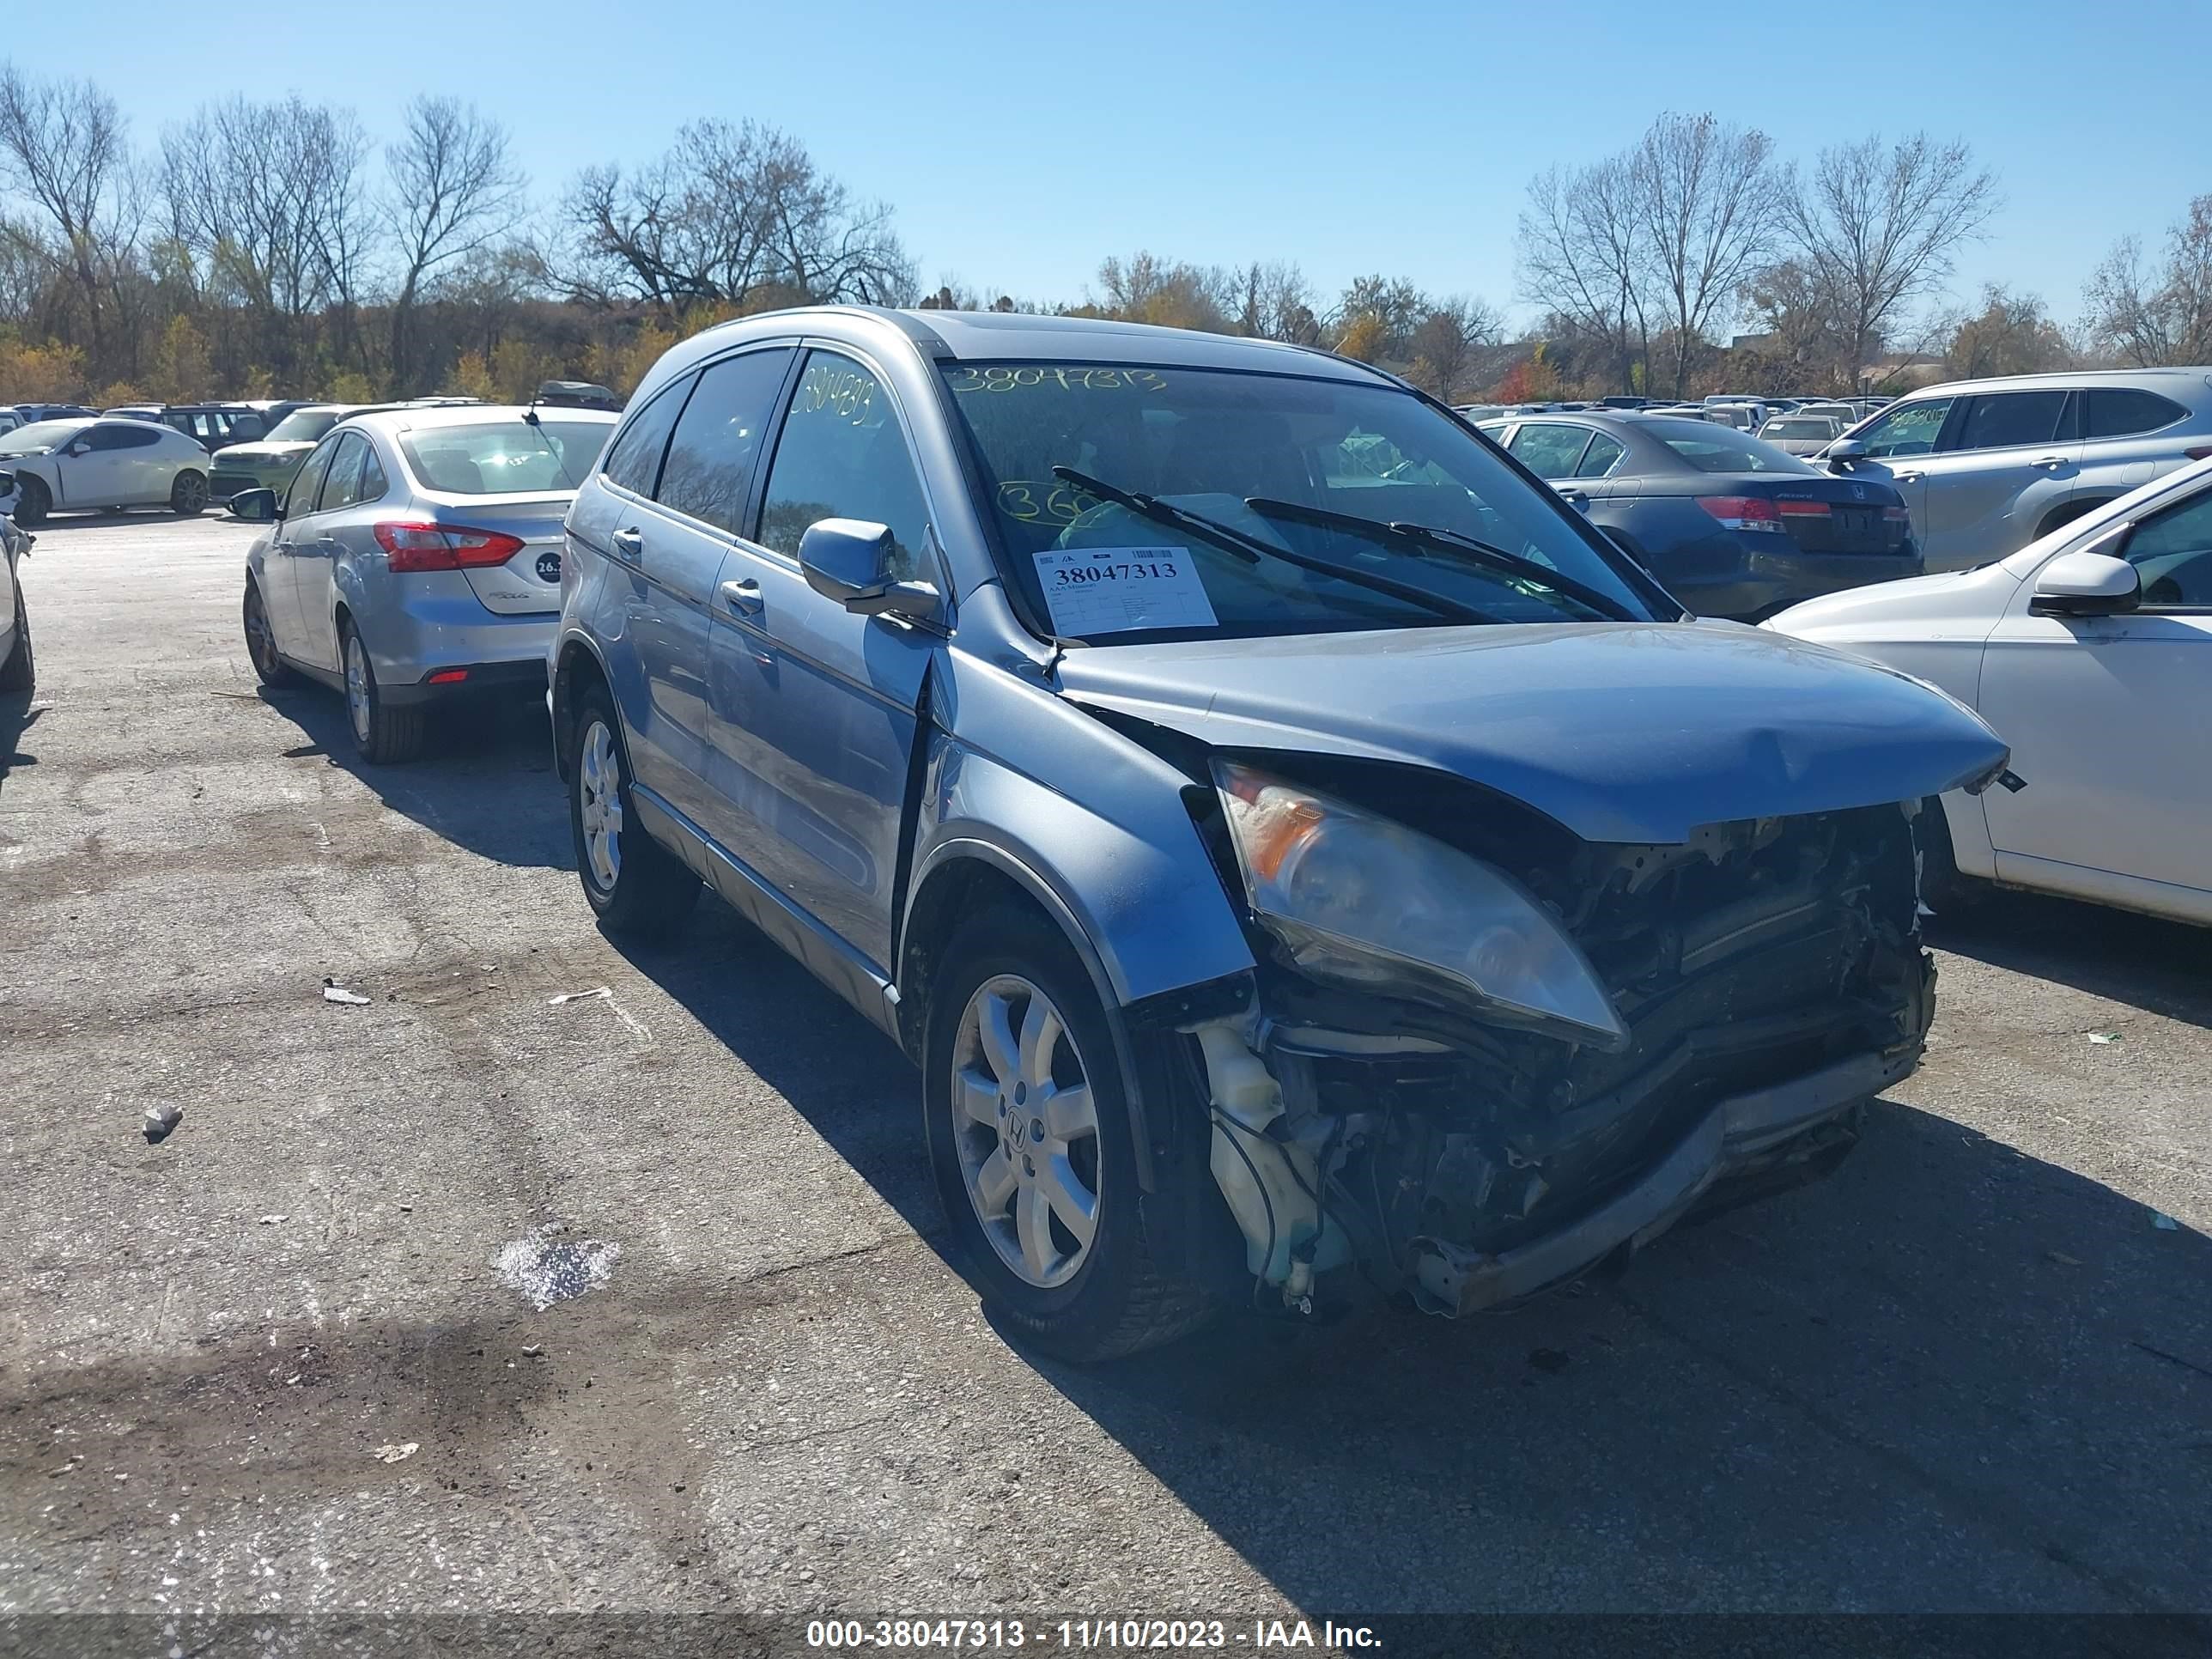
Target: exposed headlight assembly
1371, 905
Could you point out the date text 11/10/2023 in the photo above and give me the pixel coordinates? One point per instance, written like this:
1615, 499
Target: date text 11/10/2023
1093, 1635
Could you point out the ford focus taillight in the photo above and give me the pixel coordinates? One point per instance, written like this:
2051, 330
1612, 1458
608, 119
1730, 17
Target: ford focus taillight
412, 547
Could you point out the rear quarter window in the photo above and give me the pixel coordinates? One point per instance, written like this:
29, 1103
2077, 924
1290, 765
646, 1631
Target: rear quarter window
2122, 411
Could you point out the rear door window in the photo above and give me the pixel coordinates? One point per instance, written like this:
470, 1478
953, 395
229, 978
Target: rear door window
1550, 449
708, 475
2004, 419
2122, 411
1601, 457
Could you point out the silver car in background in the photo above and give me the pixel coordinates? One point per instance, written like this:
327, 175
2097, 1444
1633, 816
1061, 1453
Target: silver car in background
1801, 435
1987, 467
415, 558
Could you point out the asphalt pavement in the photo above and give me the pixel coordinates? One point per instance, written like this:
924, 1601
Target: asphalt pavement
292, 1359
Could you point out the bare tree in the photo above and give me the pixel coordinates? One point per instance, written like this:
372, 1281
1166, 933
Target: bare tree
267, 198
733, 216
1446, 343
1278, 304
2157, 317
62, 146
450, 190
2012, 334
1580, 256
1877, 225
1705, 198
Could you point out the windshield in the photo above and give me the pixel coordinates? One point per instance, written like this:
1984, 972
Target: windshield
43, 434
1710, 448
503, 457
305, 426
1205, 441
1808, 429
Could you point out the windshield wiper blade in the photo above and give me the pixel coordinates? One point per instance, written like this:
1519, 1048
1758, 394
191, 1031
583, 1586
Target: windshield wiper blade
1251, 548
1476, 550
1228, 537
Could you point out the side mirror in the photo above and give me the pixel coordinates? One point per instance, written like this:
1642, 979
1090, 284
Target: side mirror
849, 560
2090, 583
80, 448
256, 506
1845, 450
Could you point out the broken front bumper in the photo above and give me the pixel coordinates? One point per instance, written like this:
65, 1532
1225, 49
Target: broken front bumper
1735, 1137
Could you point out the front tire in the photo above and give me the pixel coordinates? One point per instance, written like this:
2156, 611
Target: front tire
637, 887
32, 501
261, 641
188, 495
382, 735
1943, 889
20, 673
1026, 1113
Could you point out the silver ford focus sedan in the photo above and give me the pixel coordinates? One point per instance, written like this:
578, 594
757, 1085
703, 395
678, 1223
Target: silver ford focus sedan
415, 558
1308, 862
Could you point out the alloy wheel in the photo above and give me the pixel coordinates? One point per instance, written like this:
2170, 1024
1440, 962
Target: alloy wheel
598, 785
259, 639
1026, 1131
357, 684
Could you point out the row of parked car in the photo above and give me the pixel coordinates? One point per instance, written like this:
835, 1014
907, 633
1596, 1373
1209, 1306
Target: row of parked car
1308, 849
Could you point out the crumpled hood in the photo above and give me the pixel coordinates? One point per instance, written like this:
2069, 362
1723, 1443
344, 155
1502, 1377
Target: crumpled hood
1622, 731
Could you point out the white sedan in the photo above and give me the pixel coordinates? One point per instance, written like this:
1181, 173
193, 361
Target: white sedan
64, 465
2090, 651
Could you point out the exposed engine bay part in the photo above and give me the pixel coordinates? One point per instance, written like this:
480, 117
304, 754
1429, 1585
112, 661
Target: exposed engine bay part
1270, 1184
1771, 977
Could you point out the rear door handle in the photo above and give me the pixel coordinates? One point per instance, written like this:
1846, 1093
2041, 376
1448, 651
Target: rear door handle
744, 597
628, 544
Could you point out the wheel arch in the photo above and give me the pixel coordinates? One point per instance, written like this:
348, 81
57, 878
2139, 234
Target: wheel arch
2073, 507
576, 662
962, 876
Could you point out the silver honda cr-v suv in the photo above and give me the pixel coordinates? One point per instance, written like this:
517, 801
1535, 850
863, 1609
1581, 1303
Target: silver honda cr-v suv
1305, 858
1987, 467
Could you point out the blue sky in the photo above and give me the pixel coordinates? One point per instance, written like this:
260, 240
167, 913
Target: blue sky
1021, 144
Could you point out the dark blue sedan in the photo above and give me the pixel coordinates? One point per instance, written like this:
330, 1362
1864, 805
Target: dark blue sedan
1733, 526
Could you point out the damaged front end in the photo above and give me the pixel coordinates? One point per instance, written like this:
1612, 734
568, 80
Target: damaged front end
1559, 1056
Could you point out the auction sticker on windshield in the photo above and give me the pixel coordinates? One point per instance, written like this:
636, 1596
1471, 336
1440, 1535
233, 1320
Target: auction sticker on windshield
1120, 590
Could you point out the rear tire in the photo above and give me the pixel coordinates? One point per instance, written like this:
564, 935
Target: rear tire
33, 501
1082, 1299
188, 495
20, 673
382, 735
261, 641
637, 887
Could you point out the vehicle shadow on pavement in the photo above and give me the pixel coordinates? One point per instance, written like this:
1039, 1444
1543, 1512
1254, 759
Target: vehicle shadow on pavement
2145, 961
1953, 1376
484, 779
19, 713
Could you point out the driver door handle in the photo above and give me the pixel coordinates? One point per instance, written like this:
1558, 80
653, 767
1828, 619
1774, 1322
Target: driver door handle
1907, 477
2051, 463
628, 544
744, 597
